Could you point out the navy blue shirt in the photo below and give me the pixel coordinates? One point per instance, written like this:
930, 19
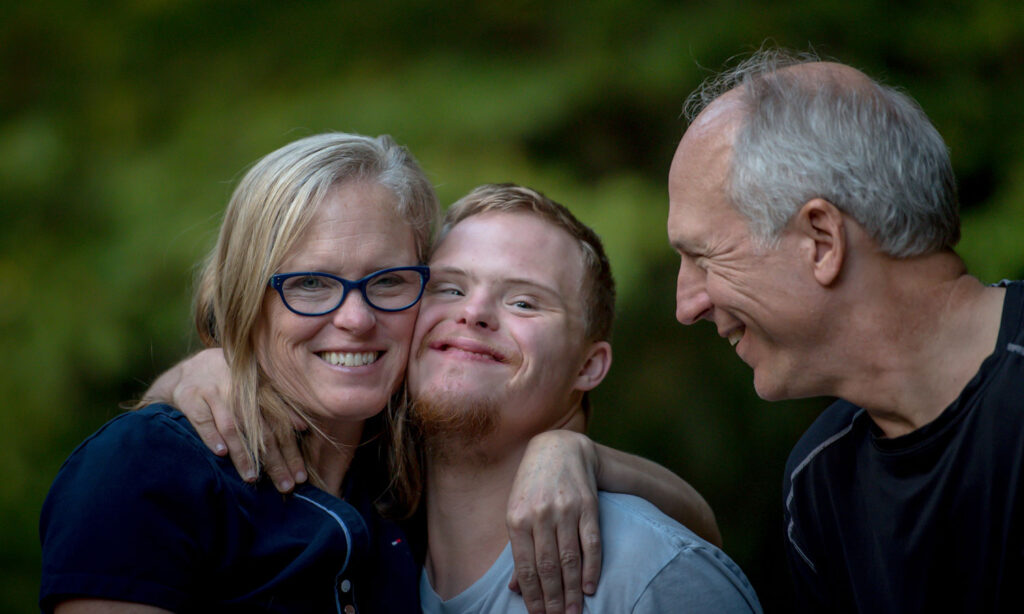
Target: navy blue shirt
932, 521
143, 512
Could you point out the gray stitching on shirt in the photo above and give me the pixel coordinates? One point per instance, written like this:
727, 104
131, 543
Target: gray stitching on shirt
792, 477
341, 523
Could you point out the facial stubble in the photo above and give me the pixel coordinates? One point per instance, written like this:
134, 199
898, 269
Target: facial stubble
454, 428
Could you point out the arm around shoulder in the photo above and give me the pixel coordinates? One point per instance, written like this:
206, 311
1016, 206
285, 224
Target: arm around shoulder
627, 473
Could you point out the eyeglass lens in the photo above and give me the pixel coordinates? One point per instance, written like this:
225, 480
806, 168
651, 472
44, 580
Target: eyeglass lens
313, 293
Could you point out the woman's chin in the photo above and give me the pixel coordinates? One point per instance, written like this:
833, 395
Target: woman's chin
352, 406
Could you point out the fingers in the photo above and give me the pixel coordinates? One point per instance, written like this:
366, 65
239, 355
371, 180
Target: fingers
548, 559
526, 567
202, 393
549, 573
553, 524
284, 463
215, 425
590, 542
568, 549
293, 458
276, 468
229, 431
191, 402
292, 453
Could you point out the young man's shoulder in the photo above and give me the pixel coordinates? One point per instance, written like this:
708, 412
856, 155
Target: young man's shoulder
652, 562
632, 514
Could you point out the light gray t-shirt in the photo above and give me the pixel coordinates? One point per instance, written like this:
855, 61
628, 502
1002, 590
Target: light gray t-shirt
651, 564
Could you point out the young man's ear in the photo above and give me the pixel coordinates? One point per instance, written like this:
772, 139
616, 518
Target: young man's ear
823, 228
595, 367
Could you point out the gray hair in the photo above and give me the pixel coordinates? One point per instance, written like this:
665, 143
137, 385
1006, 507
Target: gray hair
871, 151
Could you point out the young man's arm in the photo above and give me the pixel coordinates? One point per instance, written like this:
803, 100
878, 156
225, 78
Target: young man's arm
553, 513
199, 387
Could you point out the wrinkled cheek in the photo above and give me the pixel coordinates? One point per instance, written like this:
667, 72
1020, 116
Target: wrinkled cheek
282, 361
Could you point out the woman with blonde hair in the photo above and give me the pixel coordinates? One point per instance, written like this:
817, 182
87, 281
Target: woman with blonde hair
311, 291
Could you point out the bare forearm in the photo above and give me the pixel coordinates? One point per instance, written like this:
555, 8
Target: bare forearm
100, 606
627, 473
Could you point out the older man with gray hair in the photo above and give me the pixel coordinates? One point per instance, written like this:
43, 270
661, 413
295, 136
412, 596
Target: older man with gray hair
815, 214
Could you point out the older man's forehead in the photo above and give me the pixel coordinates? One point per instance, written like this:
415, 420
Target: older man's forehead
701, 163
721, 114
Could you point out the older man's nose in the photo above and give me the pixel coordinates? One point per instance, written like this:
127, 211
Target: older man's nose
692, 300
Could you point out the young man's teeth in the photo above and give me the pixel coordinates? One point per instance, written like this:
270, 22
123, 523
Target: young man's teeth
735, 336
349, 359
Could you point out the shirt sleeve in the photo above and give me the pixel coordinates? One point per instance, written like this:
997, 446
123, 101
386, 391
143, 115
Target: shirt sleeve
131, 516
699, 579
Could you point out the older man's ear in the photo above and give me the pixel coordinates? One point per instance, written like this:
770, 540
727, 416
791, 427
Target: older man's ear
824, 230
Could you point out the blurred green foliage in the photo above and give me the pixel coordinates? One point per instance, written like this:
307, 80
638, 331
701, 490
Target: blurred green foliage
123, 126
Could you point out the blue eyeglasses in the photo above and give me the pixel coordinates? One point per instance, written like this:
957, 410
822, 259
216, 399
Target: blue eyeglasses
316, 294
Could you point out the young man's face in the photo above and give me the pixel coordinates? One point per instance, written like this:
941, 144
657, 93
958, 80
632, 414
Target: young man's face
501, 325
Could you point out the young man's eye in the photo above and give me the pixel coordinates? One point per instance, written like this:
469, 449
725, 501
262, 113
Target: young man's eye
444, 289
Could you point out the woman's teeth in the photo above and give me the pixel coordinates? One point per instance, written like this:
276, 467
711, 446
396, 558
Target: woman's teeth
349, 359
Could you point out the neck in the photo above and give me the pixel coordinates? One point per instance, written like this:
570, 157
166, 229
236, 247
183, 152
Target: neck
330, 453
467, 492
916, 331
466, 504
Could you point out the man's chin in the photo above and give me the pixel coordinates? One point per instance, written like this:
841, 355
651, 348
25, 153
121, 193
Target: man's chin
452, 426
770, 387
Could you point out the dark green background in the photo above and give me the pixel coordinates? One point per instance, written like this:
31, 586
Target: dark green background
124, 125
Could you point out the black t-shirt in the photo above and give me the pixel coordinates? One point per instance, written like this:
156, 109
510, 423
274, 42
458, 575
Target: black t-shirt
930, 521
143, 512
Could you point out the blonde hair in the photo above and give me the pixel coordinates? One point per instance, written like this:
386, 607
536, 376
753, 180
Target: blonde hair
265, 219
407, 456
598, 284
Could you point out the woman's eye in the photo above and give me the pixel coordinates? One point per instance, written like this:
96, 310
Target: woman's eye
388, 281
311, 283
